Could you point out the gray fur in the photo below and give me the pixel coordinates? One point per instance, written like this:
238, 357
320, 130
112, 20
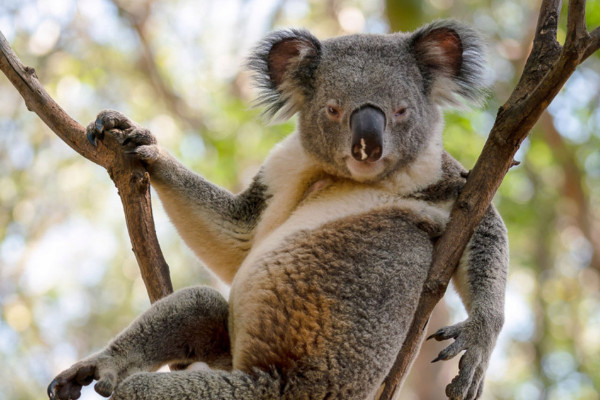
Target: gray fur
327, 254
272, 96
470, 83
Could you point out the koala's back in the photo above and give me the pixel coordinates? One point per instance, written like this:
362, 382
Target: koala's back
337, 296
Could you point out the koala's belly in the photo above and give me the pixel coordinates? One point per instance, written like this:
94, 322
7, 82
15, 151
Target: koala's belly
328, 277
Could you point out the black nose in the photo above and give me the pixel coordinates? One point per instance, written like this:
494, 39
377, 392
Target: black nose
367, 124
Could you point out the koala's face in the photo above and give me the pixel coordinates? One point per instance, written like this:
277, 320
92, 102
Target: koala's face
369, 104
368, 114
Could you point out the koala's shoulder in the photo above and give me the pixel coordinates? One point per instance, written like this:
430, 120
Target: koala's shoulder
448, 187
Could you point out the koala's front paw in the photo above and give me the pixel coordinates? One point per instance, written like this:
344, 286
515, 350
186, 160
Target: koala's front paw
134, 139
478, 339
102, 368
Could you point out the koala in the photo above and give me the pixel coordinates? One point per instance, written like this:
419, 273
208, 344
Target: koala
328, 248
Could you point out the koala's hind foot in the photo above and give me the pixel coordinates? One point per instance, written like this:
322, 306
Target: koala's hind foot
103, 367
135, 140
187, 326
478, 339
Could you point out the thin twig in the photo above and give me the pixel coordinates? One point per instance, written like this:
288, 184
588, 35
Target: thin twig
594, 44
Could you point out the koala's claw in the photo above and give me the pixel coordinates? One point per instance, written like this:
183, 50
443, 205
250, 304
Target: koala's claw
105, 121
473, 338
52, 390
448, 332
134, 139
468, 384
67, 385
91, 135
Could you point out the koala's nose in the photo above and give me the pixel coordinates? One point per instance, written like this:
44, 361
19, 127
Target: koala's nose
367, 124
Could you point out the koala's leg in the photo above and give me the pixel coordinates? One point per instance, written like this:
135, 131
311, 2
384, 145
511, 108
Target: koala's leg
481, 283
216, 224
189, 325
200, 385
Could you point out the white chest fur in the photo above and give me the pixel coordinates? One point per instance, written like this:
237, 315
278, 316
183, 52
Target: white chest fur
305, 198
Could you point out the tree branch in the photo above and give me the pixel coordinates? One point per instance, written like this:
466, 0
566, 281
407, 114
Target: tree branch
129, 176
576, 29
594, 43
544, 51
545, 72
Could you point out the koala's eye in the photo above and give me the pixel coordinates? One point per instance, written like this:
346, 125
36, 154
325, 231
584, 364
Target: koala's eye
400, 112
333, 112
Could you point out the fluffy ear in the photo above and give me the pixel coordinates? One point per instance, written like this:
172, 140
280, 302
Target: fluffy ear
451, 57
284, 64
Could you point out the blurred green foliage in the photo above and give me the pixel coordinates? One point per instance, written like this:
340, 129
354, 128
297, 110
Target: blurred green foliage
68, 279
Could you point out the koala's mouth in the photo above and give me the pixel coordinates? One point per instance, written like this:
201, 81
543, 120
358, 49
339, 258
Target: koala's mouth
365, 170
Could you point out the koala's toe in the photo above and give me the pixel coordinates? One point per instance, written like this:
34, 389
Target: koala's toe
140, 137
85, 375
450, 351
106, 121
457, 389
66, 391
106, 384
476, 387
448, 332
480, 389
67, 385
461, 384
111, 119
145, 153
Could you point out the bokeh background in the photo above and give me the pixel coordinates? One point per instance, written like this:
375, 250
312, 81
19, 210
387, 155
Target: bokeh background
68, 279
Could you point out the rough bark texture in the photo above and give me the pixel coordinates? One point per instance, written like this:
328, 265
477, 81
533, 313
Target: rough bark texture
130, 177
547, 69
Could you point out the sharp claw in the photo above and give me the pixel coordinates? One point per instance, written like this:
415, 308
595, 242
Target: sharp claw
438, 358
99, 126
91, 137
51, 392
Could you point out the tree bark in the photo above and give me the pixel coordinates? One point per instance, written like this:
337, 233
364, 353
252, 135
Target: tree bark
129, 176
547, 69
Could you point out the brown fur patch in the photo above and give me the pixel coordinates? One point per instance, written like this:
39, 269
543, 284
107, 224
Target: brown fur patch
291, 319
287, 311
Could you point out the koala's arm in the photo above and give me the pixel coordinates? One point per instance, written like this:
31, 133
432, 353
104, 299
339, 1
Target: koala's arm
481, 275
216, 224
481, 282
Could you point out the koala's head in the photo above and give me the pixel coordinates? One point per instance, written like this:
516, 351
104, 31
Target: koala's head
369, 104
